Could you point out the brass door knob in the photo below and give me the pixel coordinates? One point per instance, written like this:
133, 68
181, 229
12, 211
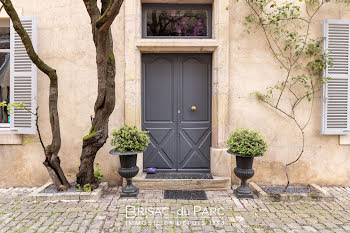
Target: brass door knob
193, 108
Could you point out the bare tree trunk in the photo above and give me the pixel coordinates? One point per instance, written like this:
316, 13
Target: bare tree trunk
105, 102
52, 161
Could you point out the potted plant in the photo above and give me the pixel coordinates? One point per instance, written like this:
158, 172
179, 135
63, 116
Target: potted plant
127, 142
245, 144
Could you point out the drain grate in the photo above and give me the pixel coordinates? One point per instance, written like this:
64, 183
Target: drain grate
179, 175
185, 194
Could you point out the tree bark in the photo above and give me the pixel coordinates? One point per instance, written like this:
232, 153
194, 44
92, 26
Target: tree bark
105, 101
52, 161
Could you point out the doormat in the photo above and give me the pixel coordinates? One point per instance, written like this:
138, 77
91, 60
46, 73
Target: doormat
179, 175
185, 194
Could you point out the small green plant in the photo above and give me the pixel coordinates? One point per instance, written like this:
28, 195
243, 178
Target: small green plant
78, 188
97, 173
28, 140
87, 188
129, 139
247, 143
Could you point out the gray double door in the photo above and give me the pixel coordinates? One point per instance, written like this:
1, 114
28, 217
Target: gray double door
176, 110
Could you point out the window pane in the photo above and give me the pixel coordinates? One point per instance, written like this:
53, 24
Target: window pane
177, 22
4, 38
4, 85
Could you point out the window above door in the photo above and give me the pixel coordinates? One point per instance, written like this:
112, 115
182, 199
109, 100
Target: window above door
189, 21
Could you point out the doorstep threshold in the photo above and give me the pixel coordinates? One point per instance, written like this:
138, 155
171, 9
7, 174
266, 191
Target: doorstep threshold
217, 183
180, 175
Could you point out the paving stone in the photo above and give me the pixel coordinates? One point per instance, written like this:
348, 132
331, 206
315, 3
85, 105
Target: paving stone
309, 229
108, 214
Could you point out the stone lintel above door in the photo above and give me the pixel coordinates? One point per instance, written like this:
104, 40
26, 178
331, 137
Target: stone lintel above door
177, 45
179, 1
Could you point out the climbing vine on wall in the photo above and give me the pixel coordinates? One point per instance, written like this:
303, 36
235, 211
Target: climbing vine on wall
286, 28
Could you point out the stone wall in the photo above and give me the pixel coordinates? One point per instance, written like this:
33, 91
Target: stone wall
65, 42
253, 68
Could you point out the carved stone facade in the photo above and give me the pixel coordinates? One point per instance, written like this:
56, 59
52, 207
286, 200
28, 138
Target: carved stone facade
241, 64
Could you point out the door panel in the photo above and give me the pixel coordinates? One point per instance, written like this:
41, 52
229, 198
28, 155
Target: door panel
159, 101
194, 82
158, 111
180, 136
195, 124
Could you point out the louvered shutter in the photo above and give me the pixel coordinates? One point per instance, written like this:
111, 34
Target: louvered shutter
335, 96
23, 79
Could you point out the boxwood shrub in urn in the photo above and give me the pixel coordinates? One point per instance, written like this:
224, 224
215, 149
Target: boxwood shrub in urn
245, 144
127, 142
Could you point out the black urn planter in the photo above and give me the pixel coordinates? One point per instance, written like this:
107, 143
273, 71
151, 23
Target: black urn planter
243, 170
128, 170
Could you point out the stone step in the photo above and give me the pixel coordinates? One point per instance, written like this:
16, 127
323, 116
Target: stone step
217, 183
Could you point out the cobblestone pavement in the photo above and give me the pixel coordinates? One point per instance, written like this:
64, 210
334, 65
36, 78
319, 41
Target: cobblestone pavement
151, 213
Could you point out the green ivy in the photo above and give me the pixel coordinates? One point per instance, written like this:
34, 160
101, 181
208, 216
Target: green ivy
247, 143
129, 139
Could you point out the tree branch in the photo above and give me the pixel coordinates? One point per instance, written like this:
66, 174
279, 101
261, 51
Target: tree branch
52, 150
92, 9
266, 36
105, 5
37, 127
291, 91
26, 39
105, 21
303, 141
311, 110
50, 72
284, 86
278, 109
295, 47
94, 13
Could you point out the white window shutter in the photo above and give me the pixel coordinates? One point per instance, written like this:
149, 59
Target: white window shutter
335, 93
23, 79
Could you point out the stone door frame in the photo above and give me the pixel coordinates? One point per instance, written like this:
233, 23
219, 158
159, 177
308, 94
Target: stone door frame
135, 45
